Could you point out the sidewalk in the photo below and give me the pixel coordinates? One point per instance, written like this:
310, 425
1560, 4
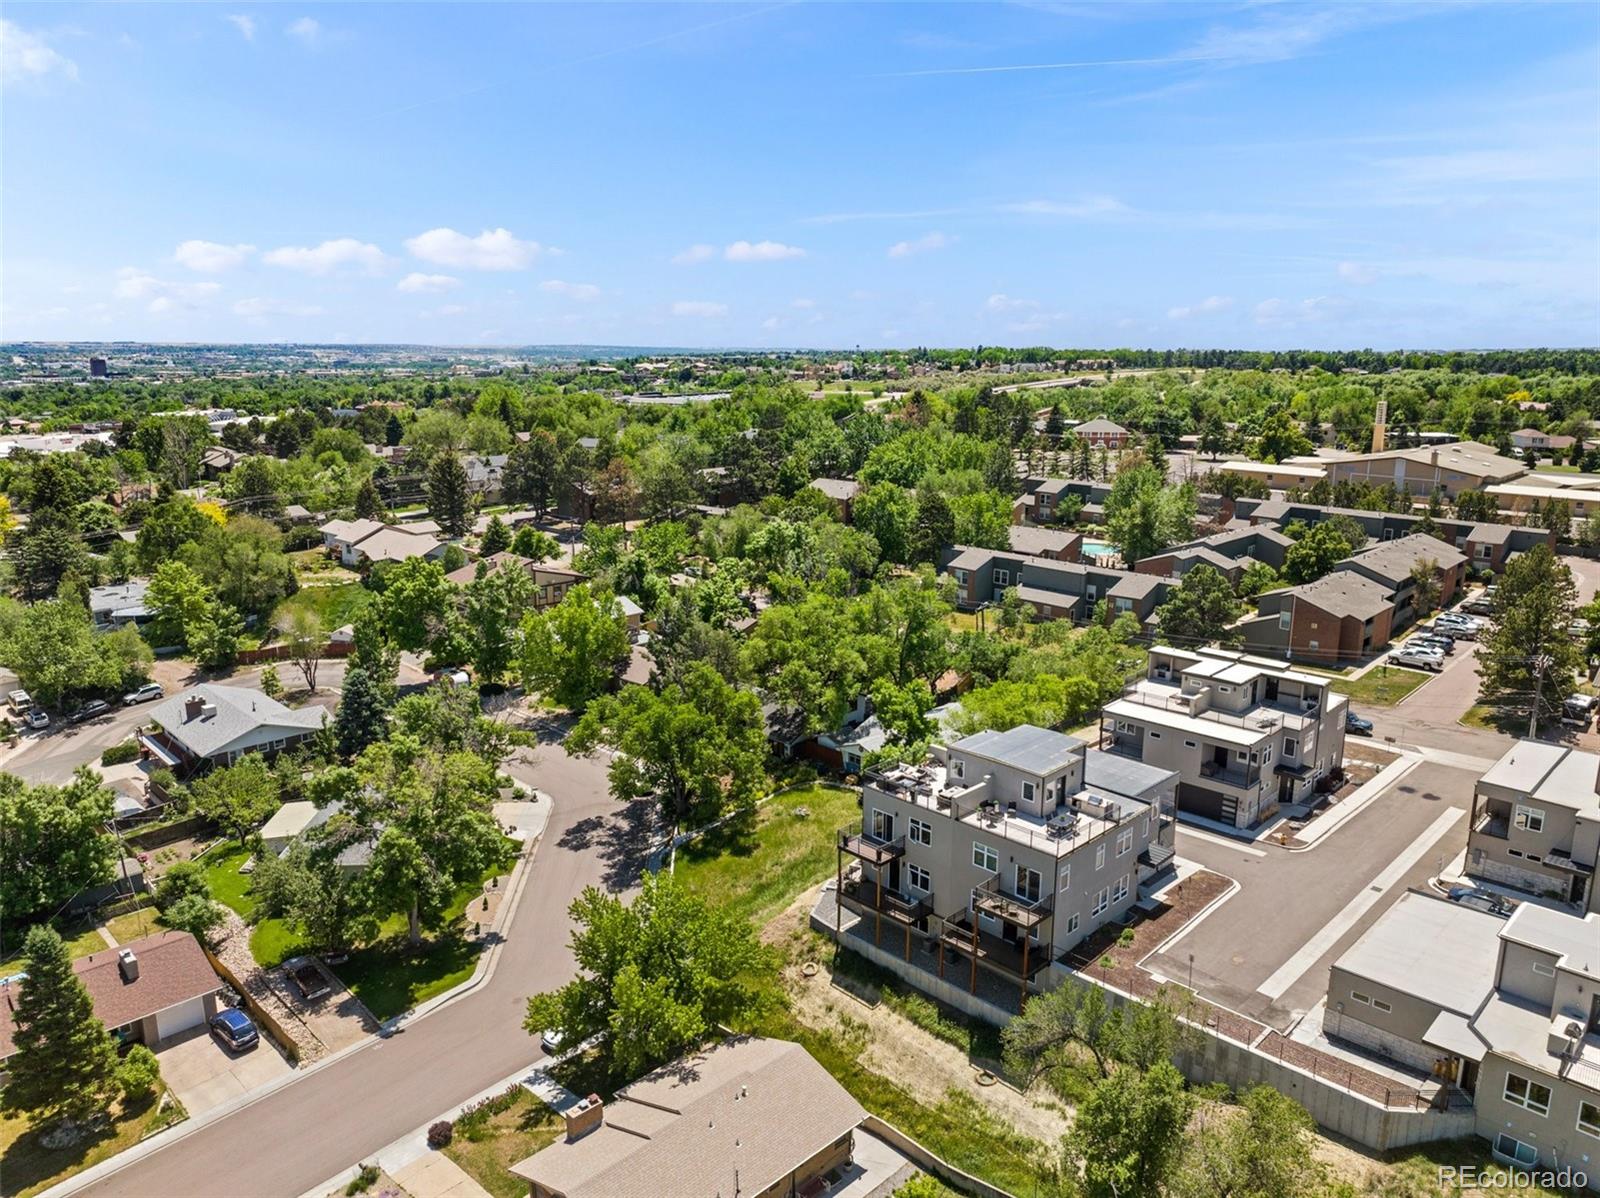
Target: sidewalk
1335, 817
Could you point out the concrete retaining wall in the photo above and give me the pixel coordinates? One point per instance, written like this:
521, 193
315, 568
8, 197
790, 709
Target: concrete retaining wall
1386, 1043
929, 1163
935, 987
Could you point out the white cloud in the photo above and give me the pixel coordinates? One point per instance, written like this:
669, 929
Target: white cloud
772, 323
1277, 313
245, 25
1007, 303
492, 249
162, 294
803, 304
160, 304
446, 310
578, 291
1206, 307
705, 309
328, 257
1358, 272
306, 29
211, 257
695, 253
922, 245
27, 56
761, 251
1083, 207
418, 283
255, 308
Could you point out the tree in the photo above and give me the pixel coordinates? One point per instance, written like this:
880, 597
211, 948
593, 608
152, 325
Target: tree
1314, 554
1213, 436
138, 1075
886, 512
1129, 1134
534, 473
1527, 651
369, 503
239, 797
305, 639
934, 529
54, 843
495, 606
496, 537
571, 652
1424, 587
44, 551
271, 684
1200, 610
1263, 1150
416, 598
1144, 515
534, 545
1478, 506
450, 494
214, 636
1280, 438
195, 914
656, 976
1258, 576
372, 651
55, 652
363, 712
65, 1061
698, 747
323, 902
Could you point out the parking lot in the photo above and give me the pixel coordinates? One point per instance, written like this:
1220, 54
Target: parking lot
204, 1075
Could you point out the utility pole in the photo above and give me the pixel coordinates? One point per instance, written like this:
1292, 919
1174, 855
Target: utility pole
1538, 687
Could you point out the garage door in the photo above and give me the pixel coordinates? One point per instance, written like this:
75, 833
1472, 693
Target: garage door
1200, 801
180, 1018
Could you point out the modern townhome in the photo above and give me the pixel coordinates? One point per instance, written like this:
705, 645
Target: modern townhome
1450, 469
1536, 823
216, 725
1056, 589
1244, 735
1487, 546
1506, 1010
1006, 848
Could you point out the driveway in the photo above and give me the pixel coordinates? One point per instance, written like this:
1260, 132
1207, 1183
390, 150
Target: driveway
205, 1075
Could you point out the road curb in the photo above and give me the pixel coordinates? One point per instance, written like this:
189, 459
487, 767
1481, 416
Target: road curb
1375, 786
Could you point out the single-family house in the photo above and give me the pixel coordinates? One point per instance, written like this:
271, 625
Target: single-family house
208, 724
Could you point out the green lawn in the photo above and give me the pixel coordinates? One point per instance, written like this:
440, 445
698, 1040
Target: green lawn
1511, 721
335, 605
759, 871
228, 885
1415, 1171
27, 1167
1383, 686
135, 925
489, 1151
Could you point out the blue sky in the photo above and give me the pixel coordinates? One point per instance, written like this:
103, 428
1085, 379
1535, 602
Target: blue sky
1265, 175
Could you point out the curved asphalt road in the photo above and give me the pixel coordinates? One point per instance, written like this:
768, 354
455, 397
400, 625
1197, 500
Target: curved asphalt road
311, 1129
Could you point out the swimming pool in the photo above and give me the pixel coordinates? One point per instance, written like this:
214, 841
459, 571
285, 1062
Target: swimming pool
1099, 549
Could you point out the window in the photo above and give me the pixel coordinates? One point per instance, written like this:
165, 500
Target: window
1531, 1096
1147, 825
1379, 1005
957, 767
1064, 878
1290, 746
1029, 884
1002, 578
1227, 690
1154, 735
1513, 1149
1543, 970
1283, 619
1364, 999
1027, 792
985, 857
1120, 890
920, 832
1100, 855
1589, 1119
1530, 819
918, 878
1243, 756
961, 577
1189, 744
882, 825
1124, 843
1101, 902
1072, 923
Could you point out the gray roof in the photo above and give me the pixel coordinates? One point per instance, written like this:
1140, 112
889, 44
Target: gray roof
1122, 775
1033, 540
239, 713
1432, 949
1550, 774
1099, 425
1395, 559
1491, 534
1575, 942
122, 596
1343, 594
837, 488
1026, 747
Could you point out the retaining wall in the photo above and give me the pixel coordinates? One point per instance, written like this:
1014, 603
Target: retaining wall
929, 1163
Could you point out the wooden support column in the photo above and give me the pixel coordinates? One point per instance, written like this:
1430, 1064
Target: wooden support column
838, 894
877, 910
1024, 995
973, 985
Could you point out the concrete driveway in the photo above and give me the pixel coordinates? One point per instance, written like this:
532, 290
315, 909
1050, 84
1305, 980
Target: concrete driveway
205, 1075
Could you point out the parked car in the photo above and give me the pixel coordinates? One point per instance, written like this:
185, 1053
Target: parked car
1579, 709
1422, 659
1483, 900
1451, 621
235, 1029
91, 709
1428, 641
147, 692
37, 718
1356, 724
551, 1040
20, 700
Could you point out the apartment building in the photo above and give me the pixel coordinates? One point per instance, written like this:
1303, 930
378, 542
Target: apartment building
1043, 499
1279, 476
1056, 589
1451, 469
1102, 433
1506, 1010
1244, 735
1391, 563
1006, 848
1536, 823
1230, 552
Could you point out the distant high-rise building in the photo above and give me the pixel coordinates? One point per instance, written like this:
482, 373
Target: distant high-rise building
98, 368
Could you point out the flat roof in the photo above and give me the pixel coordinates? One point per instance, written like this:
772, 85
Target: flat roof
1122, 775
1547, 773
1574, 941
1164, 717
1025, 747
1431, 949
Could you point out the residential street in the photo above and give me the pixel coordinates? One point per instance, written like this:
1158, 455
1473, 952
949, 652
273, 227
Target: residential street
297, 1136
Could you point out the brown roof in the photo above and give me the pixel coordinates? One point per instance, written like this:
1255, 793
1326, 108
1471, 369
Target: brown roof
541, 575
735, 1118
172, 969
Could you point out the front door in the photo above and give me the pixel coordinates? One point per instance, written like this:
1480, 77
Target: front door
1579, 883
893, 880
1285, 788
1272, 690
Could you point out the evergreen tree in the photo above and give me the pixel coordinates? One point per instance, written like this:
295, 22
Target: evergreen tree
393, 430
1527, 650
65, 1064
449, 498
496, 538
363, 713
369, 504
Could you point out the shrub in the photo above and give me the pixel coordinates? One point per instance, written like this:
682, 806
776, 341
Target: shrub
364, 1180
440, 1133
195, 914
121, 754
473, 1122
182, 880
271, 684
138, 1075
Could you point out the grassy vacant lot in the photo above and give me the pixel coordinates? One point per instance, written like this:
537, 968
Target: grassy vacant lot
335, 605
489, 1150
1383, 686
27, 1167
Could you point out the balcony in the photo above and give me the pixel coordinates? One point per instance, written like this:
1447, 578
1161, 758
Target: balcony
1491, 824
863, 896
1229, 775
871, 849
1015, 961
1018, 910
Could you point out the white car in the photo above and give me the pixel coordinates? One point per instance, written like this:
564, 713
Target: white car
37, 718
550, 1040
147, 692
1422, 659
